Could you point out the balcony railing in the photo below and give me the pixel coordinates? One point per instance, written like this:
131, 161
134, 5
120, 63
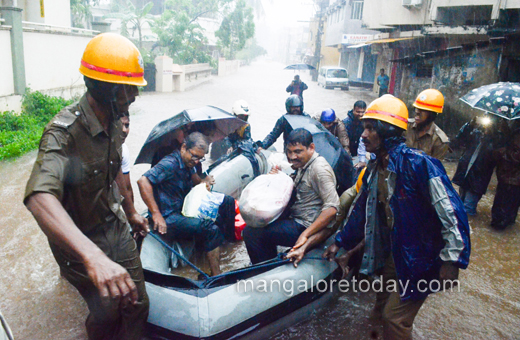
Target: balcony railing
27, 25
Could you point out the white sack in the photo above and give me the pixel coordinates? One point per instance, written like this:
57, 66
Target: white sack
265, 198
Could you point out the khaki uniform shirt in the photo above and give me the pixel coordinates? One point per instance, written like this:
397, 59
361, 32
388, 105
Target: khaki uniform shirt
315, 192
77, 162
382, 194
434, 142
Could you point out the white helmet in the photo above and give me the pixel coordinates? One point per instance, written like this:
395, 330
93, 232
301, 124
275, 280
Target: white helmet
240, 108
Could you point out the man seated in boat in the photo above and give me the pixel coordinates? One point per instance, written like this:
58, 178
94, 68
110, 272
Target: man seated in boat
164, 188
312, 215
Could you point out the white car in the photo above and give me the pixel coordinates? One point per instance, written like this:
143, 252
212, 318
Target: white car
332, 77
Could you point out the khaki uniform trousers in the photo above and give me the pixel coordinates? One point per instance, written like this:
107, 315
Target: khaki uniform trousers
397, 315
110, 321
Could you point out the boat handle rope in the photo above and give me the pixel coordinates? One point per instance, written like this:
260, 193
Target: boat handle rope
158, 238
280, 260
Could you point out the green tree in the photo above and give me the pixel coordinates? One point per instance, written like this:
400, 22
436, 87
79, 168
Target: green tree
133, 18
180, 34
81, 14
236, 28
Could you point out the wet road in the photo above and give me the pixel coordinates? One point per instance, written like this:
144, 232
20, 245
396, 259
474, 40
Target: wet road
38, 304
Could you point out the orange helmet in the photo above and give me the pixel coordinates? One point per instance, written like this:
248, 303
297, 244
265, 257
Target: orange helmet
430, 100
388, 109
112, 58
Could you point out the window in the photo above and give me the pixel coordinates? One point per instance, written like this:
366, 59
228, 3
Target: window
464, 15
357, 10
338, 73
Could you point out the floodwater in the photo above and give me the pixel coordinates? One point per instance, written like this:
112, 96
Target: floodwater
39, 304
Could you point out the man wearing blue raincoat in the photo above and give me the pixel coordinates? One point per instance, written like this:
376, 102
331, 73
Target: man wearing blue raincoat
407, 216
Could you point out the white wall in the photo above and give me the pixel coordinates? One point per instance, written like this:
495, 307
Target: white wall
6, 64
52, 60
31, 11
385, 13
57, 12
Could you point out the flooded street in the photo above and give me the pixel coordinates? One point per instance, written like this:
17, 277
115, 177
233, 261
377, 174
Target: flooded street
39, 304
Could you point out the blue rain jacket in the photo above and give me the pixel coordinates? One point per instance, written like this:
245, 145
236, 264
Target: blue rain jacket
430, 225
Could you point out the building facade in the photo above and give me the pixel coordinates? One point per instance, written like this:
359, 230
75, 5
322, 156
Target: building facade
452, 45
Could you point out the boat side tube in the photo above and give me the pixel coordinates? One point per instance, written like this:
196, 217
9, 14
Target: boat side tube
239, 302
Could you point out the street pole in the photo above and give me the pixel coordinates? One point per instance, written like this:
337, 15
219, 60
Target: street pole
319, 32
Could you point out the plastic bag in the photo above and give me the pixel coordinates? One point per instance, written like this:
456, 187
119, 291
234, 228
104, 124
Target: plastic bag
265, 198
200, 203
280, 159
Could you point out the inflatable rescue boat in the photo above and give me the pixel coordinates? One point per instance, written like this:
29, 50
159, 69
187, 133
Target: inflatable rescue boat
252, 302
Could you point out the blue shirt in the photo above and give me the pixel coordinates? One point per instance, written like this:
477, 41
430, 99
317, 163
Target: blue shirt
171, 181
383, 81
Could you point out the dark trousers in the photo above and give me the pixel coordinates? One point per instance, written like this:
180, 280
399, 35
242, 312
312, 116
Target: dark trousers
470, 200
382, 91
505, 205
109, 321
210, 234
226, 218
261, 242
204, 231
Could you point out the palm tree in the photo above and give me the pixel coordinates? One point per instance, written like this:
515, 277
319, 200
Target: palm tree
133, 18
81, 14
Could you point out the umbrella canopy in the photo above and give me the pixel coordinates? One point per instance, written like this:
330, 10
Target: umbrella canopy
500, 99
328, 146
209, 120
300, 67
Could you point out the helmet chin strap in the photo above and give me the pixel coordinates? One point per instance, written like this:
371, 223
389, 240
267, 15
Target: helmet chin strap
115, 113
106, 95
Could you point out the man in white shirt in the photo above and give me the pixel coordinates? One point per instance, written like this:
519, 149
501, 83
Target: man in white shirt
126, 187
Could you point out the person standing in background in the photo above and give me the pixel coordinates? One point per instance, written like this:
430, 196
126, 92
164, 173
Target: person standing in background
383, 81
479, 137
297, 86
125, 162
335, 126
354, 129
507, 198
423, 133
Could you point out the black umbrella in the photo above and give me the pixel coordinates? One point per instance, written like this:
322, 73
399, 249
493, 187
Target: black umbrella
300, 67
501, 99
209, 120
328, 146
